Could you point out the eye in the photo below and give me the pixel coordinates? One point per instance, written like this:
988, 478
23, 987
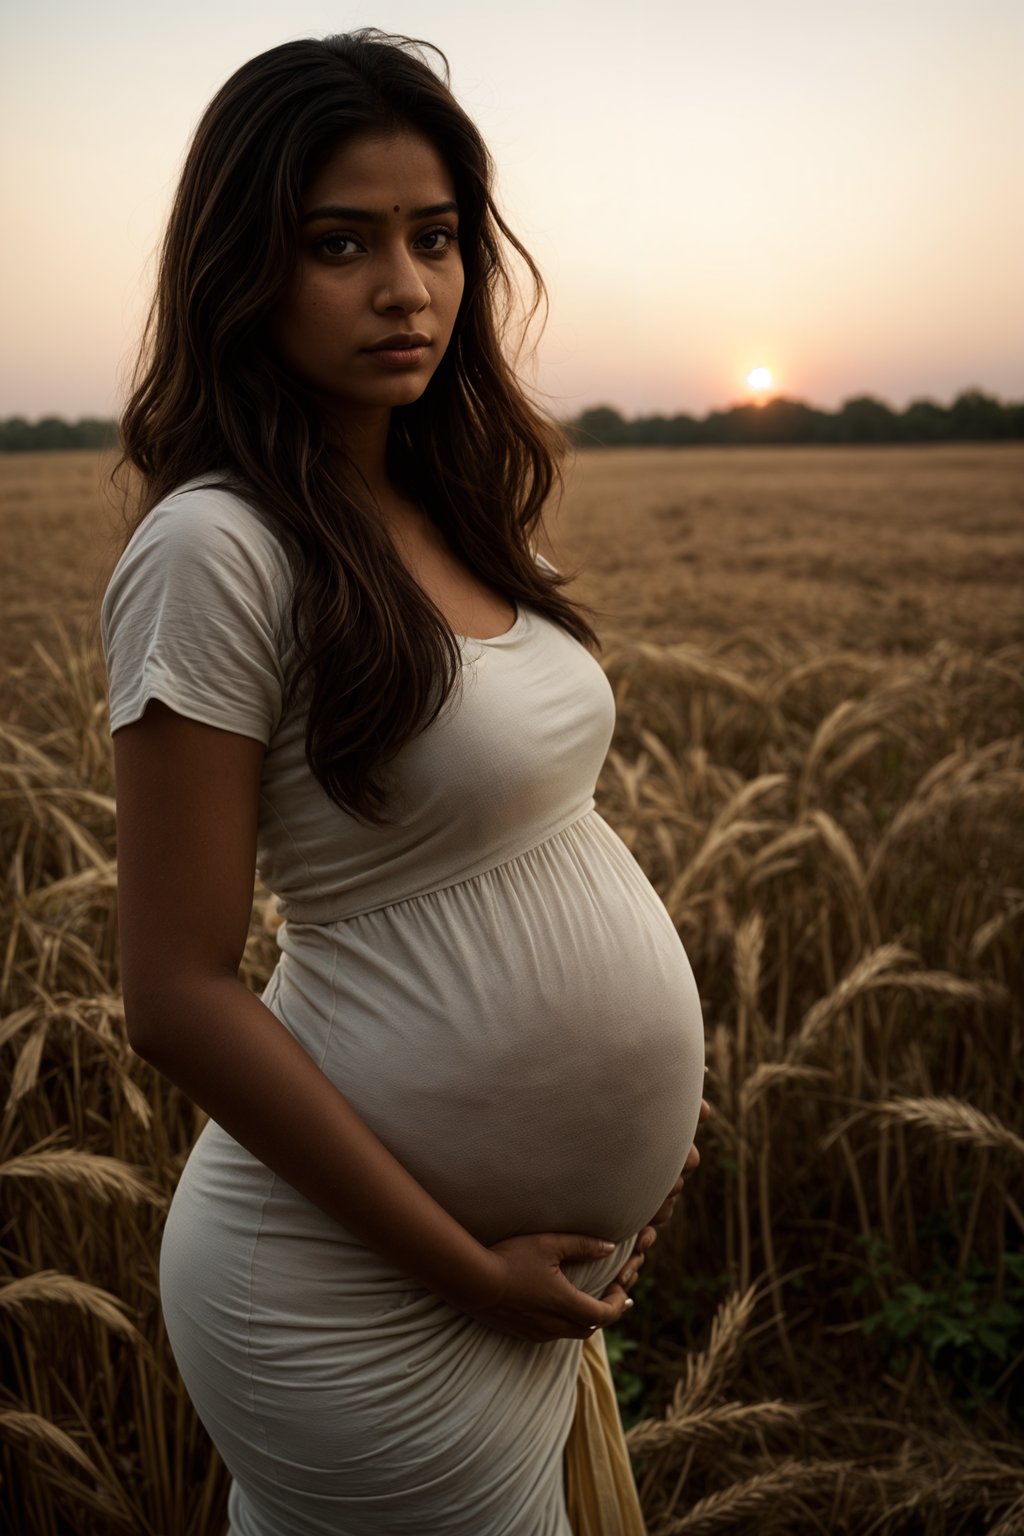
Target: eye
331, 245
445, 237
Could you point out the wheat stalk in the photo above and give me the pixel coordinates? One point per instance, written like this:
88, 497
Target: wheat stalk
953, 1120
773, 1074
876, 969
707, 1371
962, 778
105, 1177
33, 1430
728, 828
991, 929
49, 1286
868, 668
1011, 1522
765, 1494
98, 880
839, 845
749, 950
683, 663
21, 1019
714, 1421
859, 748
777, 851
845, 718
26, 1068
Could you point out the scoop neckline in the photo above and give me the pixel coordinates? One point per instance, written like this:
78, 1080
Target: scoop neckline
502, 639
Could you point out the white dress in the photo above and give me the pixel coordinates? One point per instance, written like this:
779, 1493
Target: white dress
497, 989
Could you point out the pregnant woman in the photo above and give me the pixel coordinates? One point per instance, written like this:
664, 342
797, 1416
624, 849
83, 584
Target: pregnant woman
335, 657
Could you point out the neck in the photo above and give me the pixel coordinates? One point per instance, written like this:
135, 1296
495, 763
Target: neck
363, 438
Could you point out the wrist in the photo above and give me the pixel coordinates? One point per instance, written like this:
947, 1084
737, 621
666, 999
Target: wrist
479, 1284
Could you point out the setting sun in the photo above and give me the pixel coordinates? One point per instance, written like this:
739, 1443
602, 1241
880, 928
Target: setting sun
759, 381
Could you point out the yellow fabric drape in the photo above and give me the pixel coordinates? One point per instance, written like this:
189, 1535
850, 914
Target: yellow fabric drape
601, 1495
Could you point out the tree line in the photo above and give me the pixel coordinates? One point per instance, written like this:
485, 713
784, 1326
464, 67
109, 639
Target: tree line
973, 417
20, 436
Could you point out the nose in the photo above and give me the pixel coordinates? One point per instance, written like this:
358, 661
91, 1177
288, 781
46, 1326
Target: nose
401, 286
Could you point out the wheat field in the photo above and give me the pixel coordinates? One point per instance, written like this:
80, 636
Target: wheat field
818, 661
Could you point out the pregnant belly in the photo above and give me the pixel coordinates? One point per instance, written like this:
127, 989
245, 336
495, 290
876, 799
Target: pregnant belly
528, 1043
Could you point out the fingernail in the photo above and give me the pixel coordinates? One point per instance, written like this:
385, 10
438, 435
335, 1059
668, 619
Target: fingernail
608, 1247
629, 1301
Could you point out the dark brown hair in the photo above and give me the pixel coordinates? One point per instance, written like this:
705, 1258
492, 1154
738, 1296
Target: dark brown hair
210, 397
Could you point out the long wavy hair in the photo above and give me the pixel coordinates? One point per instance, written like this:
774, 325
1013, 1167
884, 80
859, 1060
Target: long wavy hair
209, 397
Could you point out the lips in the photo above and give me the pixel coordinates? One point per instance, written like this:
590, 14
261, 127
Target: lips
401, 342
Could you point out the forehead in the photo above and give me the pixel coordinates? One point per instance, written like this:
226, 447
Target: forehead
378, 171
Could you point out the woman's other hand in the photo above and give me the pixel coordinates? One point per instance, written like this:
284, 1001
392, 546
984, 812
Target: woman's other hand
648, 1234
533, 1299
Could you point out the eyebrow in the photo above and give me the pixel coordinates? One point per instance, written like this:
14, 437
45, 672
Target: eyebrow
366, 216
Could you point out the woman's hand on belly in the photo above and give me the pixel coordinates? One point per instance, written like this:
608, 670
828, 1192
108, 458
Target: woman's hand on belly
534, 1300
648, 1234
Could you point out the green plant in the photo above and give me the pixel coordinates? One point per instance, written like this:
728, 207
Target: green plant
629, 1386
971, 1335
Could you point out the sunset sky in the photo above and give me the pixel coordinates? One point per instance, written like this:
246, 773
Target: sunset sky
832, 192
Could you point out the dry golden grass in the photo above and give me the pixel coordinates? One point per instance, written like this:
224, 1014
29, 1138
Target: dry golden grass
59, 526
865, 549
826, 790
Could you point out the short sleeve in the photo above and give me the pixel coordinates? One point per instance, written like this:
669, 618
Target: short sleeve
545, 564
192, 616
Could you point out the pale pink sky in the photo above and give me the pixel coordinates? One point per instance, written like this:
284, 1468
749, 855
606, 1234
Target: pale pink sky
833, 191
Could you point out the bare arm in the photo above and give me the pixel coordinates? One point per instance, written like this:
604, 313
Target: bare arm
187, 802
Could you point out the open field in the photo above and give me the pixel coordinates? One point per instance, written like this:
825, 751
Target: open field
871, 549
876, 549
818, 660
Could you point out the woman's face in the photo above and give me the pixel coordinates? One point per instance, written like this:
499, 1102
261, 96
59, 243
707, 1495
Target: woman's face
378, 262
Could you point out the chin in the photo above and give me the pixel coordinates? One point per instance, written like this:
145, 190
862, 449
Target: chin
389, 394
405, 391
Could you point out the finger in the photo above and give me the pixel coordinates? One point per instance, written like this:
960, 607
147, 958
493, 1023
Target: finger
659, 1215
647, 1237
600, 1314
705, 1111
631, 1269
622, 1284
628, 1277
573, 1245
615, 1292
692, 1161
635, 1263
593, 1312
644, 1239
665, 1213
631, 1266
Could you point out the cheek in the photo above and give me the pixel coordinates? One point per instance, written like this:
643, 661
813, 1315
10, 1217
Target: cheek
307, 309
287, 324
304, 322
455, 287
